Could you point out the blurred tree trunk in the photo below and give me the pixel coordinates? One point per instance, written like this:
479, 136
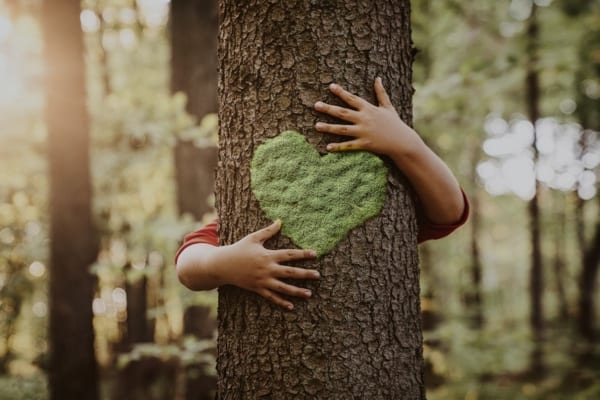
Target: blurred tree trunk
474, 298
359, 336
197, 321
536, 279
588, 113
587, 286
559, 257
139, 328
73, 244
193, 26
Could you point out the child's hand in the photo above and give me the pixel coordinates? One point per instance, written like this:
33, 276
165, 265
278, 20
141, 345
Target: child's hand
252, 267
377, 129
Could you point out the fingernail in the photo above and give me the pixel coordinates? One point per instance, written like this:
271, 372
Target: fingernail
333, 86
312, 253
319, 125
278, 222
316, 274
318, 104
307, 293
329, 147
290, 306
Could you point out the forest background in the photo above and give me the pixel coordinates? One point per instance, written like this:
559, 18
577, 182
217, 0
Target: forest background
472, 103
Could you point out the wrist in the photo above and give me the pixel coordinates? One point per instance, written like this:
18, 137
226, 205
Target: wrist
215, 265
410, 148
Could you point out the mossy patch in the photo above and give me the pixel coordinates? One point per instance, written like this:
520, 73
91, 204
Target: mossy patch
318, 199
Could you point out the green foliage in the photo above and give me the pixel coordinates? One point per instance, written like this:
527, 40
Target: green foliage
192, 351
33, 388
318, 199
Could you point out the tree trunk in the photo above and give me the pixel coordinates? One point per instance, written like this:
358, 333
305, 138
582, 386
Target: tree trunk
474, 299
536, 280
588, 112
559, 259
73, 244
587, 286
139, 329
359, 336
193, 26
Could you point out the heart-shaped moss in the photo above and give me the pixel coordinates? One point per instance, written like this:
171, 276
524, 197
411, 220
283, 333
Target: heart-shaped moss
318, 199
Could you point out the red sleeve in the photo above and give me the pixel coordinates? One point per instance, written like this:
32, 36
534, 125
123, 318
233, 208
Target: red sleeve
429, 230
207, 234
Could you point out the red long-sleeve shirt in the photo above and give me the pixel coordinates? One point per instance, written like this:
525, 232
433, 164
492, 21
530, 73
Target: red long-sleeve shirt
427, 230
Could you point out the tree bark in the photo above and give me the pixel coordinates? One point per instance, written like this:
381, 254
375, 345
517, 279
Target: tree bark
73, 242
193, 26
359, 336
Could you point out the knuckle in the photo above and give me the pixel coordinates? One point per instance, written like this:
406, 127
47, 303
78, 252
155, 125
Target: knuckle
288, 272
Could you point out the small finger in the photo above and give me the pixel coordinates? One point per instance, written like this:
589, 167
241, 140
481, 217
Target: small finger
335, 111
351, 99
293, 254
345, 146
273, 298
287, 289
296, 273
346, 130
268, 232
382, 97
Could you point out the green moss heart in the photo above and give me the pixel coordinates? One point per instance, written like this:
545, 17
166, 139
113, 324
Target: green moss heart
318, 199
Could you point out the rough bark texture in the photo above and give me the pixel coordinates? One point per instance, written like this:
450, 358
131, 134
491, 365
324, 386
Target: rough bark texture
73, 245
359, 336
193, 27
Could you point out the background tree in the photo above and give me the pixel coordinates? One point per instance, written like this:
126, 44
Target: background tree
193, 28
360, 334
536, 279
73, 373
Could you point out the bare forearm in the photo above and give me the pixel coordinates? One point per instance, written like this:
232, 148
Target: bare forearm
436, 186
380, 130
246, 264
196, 267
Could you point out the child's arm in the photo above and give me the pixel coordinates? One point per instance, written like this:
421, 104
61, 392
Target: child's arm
380, 130
246, 264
